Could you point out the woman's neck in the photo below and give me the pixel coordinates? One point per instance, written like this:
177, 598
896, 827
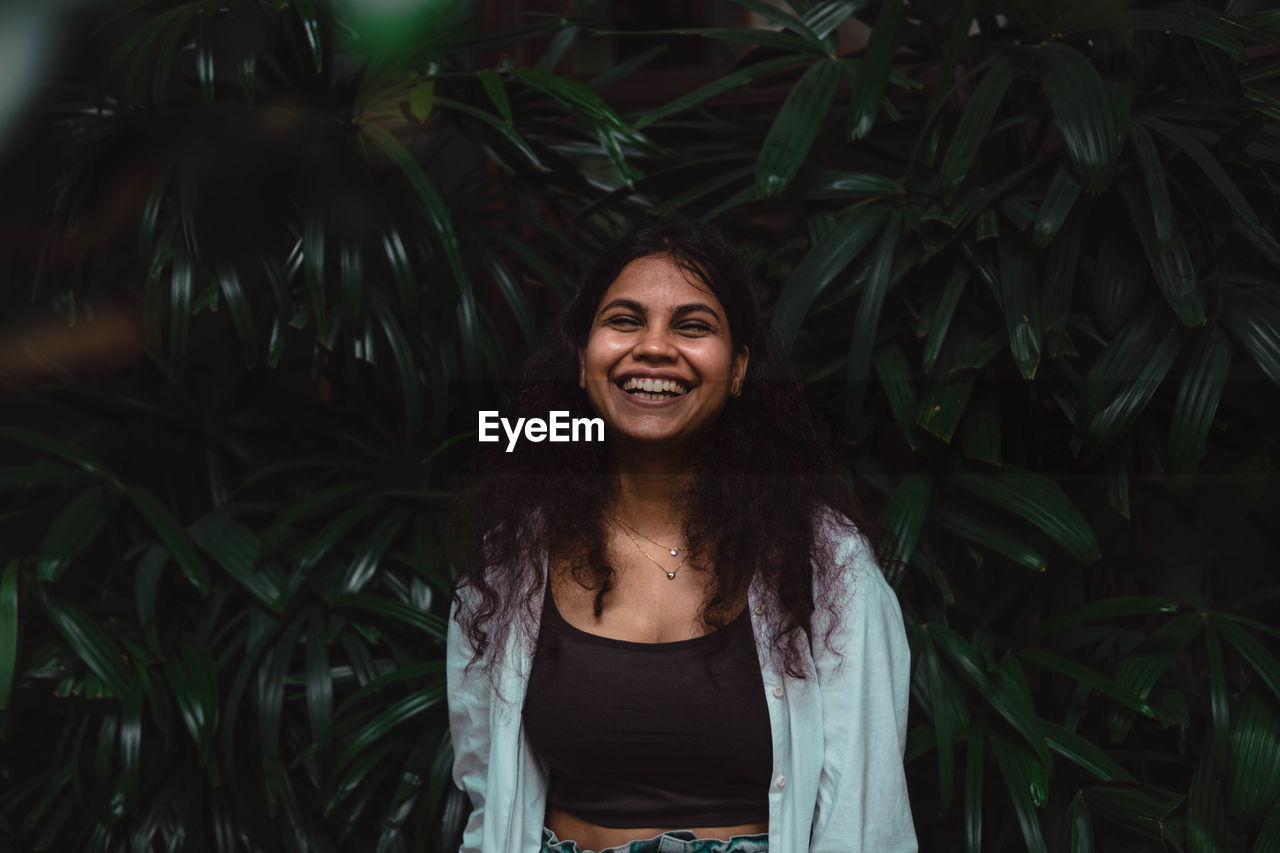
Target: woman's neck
650, 489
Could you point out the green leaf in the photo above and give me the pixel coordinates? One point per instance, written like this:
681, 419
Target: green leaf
1154, 178
1254, 652
867, 322
313, 270
1038, 499
1025, 778
502, 128
412, 616
1140, 671
1088, 677
194, 683
205, 73
1126, 375
71, 533
90, 642
422, 99
823, 263
237, 550
1219, 706
975, 754
944, 723
1206, 818
1083, 111
319, 677
1083, 753
895, 378
181, 284
438, 215
795, 128
980, 431
1059, 200
975, 123
942, 404
1018, 289
497, 93
942, 317
989, 532
786, 20
55, 447
1107, 608
1193, 410
1268, 839
408, 708
172, 535
728, 83
311, 28
823, 18
1193, 21
904, 514
1211, 167
1081, 825
1254, 321
1119, 279
8, 630
1138, 808
406, 366
1174, 271
868, 83
1009, 699
838, 184
241, 313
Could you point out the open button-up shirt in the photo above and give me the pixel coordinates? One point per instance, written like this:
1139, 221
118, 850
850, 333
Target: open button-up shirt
838, 782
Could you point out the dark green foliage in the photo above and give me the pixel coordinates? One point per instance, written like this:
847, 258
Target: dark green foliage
1042, 279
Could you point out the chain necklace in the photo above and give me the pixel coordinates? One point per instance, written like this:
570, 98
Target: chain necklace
671, 575
672, 550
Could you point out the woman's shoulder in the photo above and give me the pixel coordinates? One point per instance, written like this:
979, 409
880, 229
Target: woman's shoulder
850, 564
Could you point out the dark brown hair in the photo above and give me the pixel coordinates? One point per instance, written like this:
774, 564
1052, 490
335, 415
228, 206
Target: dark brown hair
764, 479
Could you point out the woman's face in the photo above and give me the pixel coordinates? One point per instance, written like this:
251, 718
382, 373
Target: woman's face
659, 364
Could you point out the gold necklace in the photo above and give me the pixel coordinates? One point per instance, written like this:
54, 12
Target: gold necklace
671, 575
673, 551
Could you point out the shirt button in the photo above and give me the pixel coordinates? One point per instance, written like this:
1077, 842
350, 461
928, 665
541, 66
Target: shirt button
781, 780
777, 691
759, 609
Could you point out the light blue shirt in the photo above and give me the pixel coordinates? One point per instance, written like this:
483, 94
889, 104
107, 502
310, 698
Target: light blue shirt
838, 784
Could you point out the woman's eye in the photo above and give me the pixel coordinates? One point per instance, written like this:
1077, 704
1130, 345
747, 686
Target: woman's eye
699, 328
623, 321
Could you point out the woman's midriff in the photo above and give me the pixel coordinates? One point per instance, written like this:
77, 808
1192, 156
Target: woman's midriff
569, 827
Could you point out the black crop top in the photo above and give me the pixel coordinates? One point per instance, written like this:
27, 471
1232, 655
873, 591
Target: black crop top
651, 734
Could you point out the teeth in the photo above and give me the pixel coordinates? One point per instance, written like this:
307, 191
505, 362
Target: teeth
655, 387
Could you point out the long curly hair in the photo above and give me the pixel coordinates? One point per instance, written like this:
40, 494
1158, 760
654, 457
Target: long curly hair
764, 479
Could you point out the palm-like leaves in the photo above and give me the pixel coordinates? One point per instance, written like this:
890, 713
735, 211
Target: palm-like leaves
1041, 272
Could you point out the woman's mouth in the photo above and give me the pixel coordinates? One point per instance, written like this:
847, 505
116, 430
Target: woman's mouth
653, 389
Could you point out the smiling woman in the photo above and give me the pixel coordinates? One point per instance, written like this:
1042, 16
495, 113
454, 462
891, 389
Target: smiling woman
750, 694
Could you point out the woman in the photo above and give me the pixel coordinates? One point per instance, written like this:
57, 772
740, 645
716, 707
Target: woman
674, 640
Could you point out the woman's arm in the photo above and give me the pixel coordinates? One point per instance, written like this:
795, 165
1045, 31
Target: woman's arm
468, 726
862, 794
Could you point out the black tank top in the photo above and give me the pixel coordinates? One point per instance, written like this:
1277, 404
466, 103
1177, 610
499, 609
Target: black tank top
651, 734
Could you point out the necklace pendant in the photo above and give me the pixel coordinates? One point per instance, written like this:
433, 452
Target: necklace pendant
671, 576
675, 552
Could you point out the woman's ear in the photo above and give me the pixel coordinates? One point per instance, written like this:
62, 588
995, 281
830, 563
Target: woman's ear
739, 371
582, 369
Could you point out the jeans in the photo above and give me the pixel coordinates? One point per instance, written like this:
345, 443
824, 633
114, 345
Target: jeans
675, 841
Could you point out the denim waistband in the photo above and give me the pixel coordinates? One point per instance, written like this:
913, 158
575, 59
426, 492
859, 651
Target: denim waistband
674, 841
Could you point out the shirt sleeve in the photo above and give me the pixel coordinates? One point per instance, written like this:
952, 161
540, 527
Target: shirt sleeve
468, 697
863, 805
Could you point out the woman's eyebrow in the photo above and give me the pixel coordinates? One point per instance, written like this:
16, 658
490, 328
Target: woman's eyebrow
628, 304
691, 307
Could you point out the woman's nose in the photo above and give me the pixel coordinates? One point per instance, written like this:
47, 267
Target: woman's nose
655, 342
